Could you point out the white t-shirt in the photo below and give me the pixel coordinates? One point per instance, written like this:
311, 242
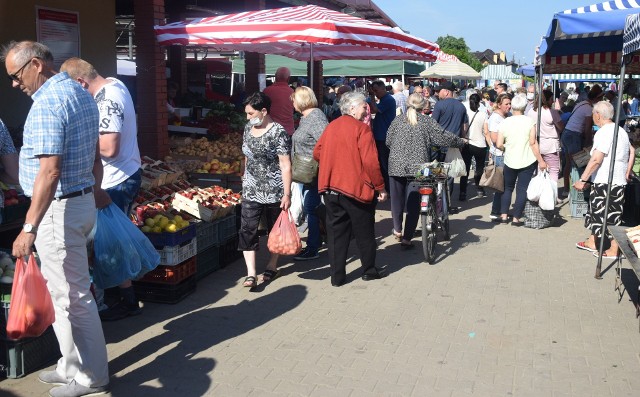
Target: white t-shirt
494, 125
603, 142
117, 115
476, 128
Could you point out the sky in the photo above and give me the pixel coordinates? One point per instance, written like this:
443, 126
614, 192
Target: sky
478, 22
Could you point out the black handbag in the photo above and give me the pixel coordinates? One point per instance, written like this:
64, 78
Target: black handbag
304, 169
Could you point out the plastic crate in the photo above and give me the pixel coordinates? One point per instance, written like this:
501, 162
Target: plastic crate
207, 235
14, 212
229, 251
227, 227
576, 195
171, 274
164, 293
579, 208
19, 358
165, 239
207, 180
208, 262
4, 315
5, 292
171, 256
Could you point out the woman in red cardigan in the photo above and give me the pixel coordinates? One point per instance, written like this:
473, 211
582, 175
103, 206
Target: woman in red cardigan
349, 177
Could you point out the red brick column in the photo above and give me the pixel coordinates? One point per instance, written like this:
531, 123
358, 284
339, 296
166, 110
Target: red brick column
153, 138
253, 62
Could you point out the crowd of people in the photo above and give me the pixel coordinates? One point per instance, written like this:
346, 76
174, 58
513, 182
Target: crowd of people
365, 139
401, 126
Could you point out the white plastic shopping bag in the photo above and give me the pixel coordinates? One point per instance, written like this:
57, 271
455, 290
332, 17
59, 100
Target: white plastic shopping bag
458, 167
549, 193
297, 209
535, 187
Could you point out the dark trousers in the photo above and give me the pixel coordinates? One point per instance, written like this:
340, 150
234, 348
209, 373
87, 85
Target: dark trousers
478, 153
404, 195
344, 217
383, 159
517, 179
250, 215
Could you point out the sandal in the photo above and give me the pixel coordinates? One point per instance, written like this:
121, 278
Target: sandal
605, 256
250, 282
270, 275
583, 246
396, 235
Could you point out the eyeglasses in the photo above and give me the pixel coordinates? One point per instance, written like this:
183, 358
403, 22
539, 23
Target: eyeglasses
18, 74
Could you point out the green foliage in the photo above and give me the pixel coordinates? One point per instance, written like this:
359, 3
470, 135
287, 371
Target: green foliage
458, 47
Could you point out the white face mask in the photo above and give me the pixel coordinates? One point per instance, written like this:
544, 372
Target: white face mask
256, 121
530, 96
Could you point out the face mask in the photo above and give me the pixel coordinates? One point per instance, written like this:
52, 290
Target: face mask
530, 96
256, 121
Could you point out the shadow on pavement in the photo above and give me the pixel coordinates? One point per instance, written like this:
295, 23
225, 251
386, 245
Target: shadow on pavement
177, 370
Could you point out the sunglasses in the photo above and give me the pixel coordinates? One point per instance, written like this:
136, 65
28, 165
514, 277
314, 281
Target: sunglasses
18, 74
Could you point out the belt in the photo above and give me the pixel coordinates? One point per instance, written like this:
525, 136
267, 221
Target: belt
82, 192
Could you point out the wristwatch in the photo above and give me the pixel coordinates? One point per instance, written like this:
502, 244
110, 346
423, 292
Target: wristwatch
29, 228
583, 181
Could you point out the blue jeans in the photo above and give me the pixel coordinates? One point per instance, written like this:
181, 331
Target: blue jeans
124, 193
311, 201
517, 179
496, 206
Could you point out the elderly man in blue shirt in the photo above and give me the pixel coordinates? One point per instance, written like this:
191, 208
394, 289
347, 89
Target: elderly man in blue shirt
61, 169
383, 106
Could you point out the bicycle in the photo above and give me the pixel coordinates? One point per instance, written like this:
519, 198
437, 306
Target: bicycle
434, 204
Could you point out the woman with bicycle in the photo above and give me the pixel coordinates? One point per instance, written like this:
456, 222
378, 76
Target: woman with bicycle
409, 139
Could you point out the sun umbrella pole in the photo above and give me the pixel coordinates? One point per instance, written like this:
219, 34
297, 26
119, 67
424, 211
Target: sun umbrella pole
311, 65
538, 85
612, 162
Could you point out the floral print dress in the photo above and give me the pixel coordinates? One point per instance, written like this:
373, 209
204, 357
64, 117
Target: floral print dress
262, 181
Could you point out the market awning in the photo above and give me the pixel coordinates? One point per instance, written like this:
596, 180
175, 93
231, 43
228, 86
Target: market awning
335, 68
303, 33
588, 39
451, 70
499, 72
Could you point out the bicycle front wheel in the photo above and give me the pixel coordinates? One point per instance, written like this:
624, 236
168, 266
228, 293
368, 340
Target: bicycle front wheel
428, 219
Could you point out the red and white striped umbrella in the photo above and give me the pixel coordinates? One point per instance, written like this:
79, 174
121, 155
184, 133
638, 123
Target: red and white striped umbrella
302, 33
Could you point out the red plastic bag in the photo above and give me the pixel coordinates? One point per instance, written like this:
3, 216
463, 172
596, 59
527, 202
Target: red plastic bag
284, 238
31, 311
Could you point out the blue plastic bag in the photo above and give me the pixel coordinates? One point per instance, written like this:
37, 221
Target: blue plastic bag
121, 251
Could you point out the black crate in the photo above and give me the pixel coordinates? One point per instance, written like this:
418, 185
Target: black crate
229, 251
24, 356
208, 261
160, 293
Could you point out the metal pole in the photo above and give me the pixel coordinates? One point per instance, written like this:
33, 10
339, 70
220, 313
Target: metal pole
130, 42
612, 162
311, 65
539, 89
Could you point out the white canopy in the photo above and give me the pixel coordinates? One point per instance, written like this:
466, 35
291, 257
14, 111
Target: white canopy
451, 70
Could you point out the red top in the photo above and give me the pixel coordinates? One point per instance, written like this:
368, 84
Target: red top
348, 160
281, 105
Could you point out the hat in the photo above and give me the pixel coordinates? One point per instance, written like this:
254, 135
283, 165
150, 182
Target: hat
595, 92
447, 85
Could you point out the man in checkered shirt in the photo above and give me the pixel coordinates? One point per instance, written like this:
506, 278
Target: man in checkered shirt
60, 168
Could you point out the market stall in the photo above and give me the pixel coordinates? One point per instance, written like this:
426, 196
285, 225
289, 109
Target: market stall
591, 39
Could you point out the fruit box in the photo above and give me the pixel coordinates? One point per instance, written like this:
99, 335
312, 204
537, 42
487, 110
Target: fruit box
21, 357
164, 239
202, 179
164, 293
194, 208
171, 274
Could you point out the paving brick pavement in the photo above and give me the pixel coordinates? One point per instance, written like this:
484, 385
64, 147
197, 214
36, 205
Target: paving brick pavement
504, 311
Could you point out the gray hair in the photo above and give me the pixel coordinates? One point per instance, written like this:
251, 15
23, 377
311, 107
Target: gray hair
604, 109
349, 100
26, 50
398, 86
519, 102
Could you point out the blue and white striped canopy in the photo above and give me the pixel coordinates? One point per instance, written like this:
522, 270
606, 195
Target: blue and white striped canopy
631, 42
587, 39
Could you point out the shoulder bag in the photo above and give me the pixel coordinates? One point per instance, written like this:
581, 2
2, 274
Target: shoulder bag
492, 177
304, 168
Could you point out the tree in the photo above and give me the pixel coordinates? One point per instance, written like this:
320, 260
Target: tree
458, 47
